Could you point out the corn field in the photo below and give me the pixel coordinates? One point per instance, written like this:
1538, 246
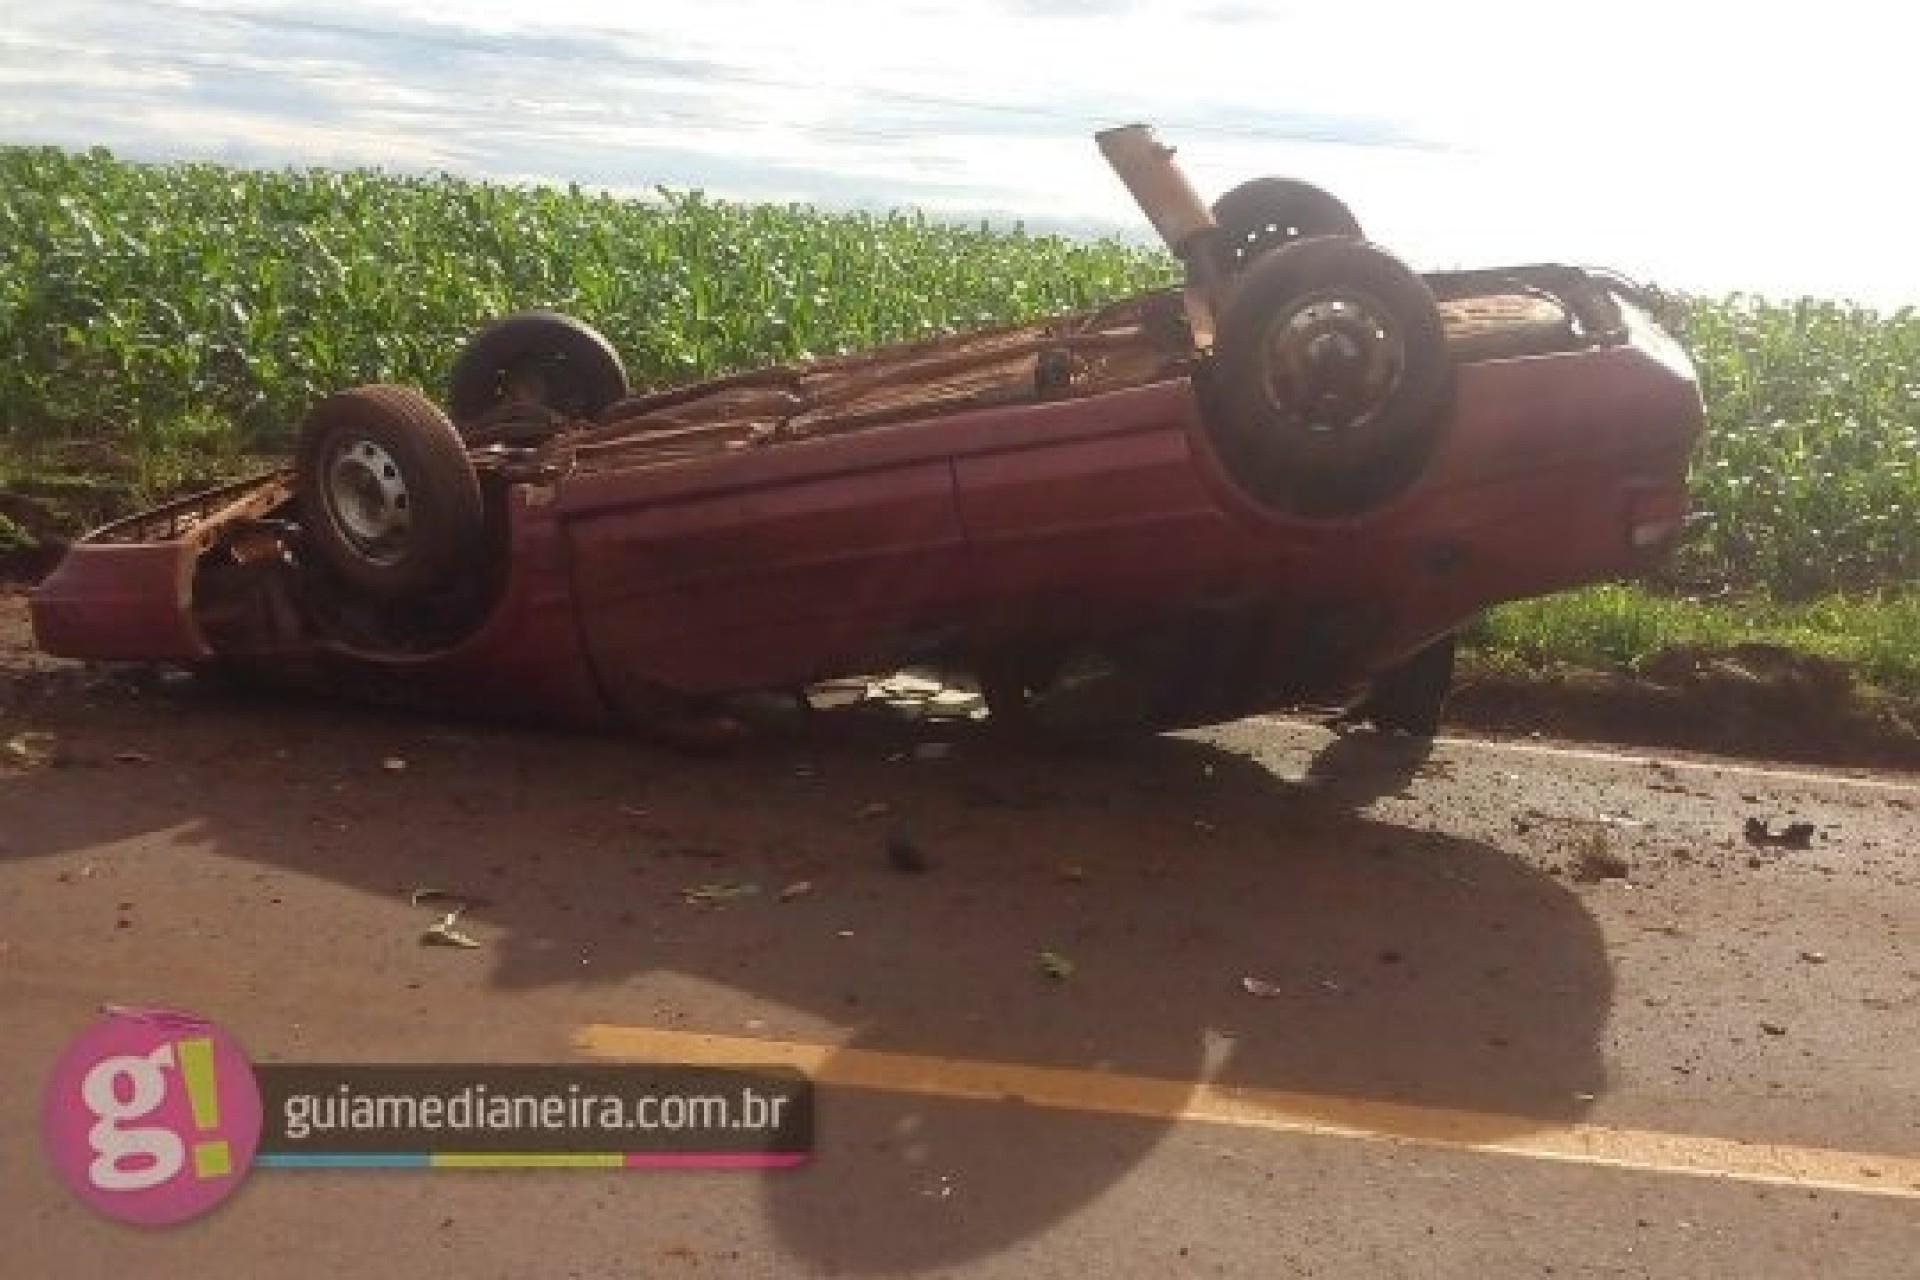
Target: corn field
195, 311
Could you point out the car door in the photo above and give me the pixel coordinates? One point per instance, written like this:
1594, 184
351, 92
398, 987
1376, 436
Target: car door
761, 569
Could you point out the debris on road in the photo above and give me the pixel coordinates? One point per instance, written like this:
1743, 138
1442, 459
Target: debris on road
28, 749
1596, 862
906, 857
132, 757
1526, 820
909, 684
446, 932
1795, 835
719, 893
830, 694
394, 764
1773, 1028
1814, 957
1055, 966
798, 889
465, 901
1261, 987
957, 704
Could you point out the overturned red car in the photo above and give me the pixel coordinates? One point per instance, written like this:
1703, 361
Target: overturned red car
1293, 478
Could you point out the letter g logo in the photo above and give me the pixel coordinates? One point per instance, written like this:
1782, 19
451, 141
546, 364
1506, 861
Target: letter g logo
130, 1159
151, 1117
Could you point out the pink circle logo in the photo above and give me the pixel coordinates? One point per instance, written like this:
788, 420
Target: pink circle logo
152, 1116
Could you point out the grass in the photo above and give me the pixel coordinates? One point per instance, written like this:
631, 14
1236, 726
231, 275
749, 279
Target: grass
161, 325
1620, 627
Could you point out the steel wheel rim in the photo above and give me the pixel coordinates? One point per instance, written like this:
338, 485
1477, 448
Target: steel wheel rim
367, 500
1332, 361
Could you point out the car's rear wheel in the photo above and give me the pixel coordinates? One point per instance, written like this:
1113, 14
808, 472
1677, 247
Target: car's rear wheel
1330, 378
1268, 213
539, 359
387, 496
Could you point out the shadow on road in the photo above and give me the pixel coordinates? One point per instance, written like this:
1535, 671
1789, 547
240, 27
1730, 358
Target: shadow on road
1390, 963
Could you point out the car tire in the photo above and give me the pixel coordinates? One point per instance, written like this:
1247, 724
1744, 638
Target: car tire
544, 358
1410, 696
387, 496
1330, 378
1268, 213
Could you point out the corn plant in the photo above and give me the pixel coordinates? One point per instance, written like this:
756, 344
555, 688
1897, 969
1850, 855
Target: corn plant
191, 313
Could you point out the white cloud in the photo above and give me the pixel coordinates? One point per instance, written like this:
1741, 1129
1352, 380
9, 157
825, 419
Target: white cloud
1713, 146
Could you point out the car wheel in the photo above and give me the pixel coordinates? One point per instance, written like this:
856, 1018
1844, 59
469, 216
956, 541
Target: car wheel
537, 358
387, 496
1267, 213
1409, 698
1330, 377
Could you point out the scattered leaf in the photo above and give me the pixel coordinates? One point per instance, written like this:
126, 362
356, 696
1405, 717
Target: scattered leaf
719, 893
29, 749
1055, 966
446, 932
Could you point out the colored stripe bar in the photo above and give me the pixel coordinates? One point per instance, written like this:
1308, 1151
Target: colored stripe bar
715, 1159
532, 1160
340, 1160
524, 1160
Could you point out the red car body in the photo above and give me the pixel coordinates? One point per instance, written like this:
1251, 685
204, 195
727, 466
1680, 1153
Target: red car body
956, 535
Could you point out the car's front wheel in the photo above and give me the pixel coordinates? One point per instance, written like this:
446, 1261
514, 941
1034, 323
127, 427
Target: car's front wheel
387, 496
1330, 378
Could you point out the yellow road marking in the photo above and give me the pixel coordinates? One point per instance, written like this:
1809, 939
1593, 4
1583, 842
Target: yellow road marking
1282, 1111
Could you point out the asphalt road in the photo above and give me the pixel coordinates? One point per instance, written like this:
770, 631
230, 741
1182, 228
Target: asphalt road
1514, 1009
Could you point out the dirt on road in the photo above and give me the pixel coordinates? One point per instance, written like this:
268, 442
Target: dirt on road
1552, 938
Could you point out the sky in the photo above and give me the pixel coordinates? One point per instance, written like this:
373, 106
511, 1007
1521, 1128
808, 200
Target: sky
1758, 147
